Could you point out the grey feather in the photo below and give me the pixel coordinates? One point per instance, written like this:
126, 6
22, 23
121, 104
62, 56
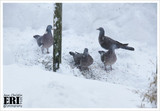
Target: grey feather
83, 60
39, 39
109, 57
86, 60
76, 56
45, 41
107, 42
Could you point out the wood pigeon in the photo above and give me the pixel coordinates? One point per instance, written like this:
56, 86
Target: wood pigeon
82, 60
109, 57
107, 42
45, 41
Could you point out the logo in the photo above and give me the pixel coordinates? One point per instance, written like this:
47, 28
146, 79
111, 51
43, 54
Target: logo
12, 100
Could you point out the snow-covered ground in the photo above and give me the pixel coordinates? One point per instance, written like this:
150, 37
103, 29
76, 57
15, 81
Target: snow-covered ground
23, 62
53, 90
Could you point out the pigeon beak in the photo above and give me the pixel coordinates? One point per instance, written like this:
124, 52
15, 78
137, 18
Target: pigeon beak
98, 29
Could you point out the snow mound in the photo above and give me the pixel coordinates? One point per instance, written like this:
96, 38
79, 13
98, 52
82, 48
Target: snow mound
54, 90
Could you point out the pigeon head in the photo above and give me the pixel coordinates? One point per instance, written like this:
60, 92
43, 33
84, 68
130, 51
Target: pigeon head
85, 53
100, 29
49, 28
85, 50
101, 53
101, 34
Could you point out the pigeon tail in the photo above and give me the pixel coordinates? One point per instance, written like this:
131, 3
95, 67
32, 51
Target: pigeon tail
36, 37
127, 47
77, 52
72, 53
125, 44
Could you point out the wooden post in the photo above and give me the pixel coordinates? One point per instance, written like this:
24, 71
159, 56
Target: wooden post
57, 45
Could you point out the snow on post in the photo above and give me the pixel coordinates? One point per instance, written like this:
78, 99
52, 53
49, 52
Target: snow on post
57, 45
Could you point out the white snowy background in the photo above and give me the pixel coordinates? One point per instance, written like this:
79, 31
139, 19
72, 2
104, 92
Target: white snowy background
24, 73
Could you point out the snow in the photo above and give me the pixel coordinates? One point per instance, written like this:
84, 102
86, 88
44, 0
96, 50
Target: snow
23, 62
62, 91
23, 15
